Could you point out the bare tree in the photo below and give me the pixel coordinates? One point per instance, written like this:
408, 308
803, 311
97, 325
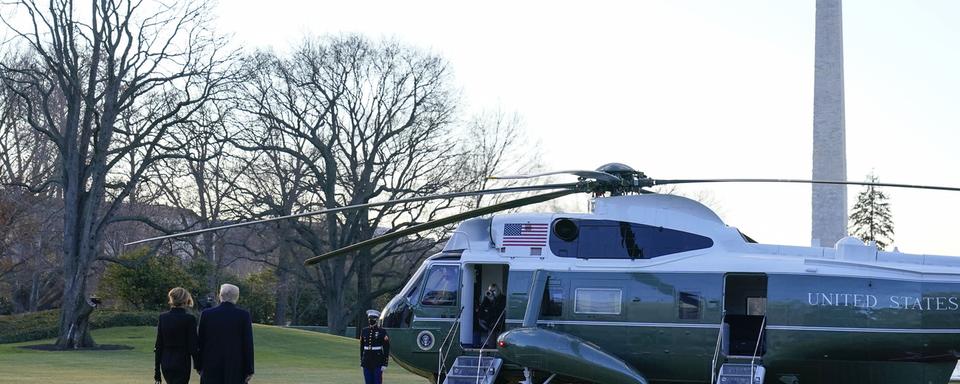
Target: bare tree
363, 121
203, 184
27, 158
28, 244
27, 240
11, 219
495, 145
157, 61
278, 184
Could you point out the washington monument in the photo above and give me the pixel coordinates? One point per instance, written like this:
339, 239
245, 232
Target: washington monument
829, 140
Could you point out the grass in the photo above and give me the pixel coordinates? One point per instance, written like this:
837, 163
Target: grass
282, 356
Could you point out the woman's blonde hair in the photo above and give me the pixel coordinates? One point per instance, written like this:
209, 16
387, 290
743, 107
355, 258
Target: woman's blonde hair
179, 297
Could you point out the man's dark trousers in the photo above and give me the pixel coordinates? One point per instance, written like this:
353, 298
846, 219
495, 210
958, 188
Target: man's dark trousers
372, 375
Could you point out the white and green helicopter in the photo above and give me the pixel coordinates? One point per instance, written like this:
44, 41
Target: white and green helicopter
654, 288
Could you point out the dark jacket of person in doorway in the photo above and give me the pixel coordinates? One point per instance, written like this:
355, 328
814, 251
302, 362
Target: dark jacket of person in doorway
226, 341
176, 341
490, 308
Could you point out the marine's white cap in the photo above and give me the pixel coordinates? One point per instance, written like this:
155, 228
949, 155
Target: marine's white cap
373, 313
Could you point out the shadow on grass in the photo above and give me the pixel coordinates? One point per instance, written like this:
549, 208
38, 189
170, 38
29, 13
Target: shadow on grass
53, 348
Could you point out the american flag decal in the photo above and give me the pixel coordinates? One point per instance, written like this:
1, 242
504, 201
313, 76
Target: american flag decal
525, 235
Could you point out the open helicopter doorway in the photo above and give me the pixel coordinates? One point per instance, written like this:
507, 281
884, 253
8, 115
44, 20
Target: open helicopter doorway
744, 314
484, 304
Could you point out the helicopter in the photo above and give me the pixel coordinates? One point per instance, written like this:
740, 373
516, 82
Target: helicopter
656, 288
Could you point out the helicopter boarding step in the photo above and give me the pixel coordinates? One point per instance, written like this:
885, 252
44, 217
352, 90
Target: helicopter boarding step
474, 370
741, 373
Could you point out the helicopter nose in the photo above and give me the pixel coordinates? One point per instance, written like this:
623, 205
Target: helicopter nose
397, 313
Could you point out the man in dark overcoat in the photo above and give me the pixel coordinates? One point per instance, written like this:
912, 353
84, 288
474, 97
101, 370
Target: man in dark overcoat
374, 350
226, 341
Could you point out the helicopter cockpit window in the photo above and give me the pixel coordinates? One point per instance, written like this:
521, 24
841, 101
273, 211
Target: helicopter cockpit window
610, 239
443, 283
413, 286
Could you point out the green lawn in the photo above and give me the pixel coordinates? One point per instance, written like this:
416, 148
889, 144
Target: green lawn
282, 356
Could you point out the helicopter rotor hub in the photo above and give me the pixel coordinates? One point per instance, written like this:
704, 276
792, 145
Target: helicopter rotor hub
629, 180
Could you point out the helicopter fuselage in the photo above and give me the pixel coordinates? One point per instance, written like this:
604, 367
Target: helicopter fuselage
659, 284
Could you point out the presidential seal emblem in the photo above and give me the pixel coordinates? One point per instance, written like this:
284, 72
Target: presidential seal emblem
425, 340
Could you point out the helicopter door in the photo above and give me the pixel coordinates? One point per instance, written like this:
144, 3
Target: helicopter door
484, 312
744, 308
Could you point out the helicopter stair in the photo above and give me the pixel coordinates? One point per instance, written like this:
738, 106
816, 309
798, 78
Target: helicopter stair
741, 373
474, 370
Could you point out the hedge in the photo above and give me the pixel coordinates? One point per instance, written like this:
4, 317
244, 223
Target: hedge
45, 324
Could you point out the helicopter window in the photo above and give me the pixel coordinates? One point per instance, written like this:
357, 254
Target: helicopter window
609, 239
552, 299
412, 288
689, 304
598, 301
442, 285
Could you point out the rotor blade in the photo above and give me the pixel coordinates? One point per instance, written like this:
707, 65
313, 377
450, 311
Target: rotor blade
367, 205
439, 223
596, 175
800, 181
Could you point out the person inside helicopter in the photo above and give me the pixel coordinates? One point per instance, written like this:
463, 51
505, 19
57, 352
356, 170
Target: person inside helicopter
488, 315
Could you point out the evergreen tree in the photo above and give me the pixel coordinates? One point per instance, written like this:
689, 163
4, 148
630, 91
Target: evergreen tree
870, 218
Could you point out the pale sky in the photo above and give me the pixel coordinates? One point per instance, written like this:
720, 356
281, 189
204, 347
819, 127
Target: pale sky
689, 89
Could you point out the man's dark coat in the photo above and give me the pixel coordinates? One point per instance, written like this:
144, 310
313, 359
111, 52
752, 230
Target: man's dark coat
226, 345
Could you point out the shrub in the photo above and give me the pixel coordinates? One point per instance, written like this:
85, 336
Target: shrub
257, 295
45, 324
6, 307
29, 326
143, 280
109, 319
309, 307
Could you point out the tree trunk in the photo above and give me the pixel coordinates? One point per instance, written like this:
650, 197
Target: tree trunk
364, 271
284, 263
210, 250
334, 288
295, 291
75, 311
75, 323
336, 324
280, 314
79, 249
34, 298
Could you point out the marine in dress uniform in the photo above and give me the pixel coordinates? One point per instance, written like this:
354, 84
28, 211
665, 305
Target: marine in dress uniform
374, 350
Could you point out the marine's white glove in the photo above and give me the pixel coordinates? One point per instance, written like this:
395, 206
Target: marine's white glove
383, 368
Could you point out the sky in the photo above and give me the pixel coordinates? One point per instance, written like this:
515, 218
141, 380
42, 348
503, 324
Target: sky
689, 89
